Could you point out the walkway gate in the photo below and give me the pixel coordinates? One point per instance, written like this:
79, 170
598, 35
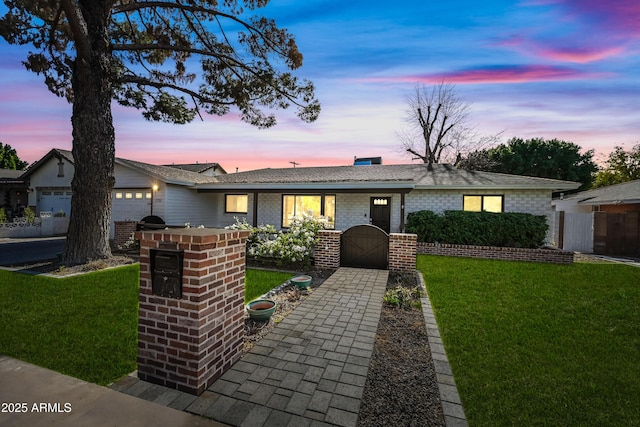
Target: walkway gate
364, 246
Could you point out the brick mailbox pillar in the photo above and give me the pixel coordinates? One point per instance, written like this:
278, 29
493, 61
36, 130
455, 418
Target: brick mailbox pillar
191, 316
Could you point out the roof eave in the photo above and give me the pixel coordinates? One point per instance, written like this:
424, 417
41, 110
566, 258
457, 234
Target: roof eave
500, 187
312, 187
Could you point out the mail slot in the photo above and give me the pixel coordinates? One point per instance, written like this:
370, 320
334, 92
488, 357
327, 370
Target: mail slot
166, 272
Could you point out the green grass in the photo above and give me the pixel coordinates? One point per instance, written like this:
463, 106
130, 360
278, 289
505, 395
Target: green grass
540, 344
84, 326
259, 282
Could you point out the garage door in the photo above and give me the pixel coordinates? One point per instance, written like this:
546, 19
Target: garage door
55, 201
131, 204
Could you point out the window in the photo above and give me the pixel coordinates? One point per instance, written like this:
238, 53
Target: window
381, 202
128, 195
483, 203
118, 195
320, 205
138, 195
236, 203
60, 169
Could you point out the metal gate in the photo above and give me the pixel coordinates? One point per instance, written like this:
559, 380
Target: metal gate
364, 246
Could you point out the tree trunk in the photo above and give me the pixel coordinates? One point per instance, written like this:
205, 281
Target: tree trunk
93, 144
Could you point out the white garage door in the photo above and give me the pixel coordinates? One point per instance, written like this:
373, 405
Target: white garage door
55, 201
131, 205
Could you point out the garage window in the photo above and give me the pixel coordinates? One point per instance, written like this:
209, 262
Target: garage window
236, 203
118, 195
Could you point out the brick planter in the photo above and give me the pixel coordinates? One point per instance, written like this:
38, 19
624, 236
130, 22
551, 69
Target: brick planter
187, 343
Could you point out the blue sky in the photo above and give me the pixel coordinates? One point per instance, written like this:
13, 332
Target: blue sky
567, 69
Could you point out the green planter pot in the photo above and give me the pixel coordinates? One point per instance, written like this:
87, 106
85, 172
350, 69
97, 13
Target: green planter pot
302, 281
261, 309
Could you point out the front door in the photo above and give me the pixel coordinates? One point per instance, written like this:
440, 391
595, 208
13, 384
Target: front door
380, 213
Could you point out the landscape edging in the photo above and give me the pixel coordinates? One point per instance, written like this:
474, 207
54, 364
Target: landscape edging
449, 398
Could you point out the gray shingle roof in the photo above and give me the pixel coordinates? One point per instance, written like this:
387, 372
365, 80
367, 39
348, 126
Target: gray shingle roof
402, 177
167, 174
439, 176
627, 192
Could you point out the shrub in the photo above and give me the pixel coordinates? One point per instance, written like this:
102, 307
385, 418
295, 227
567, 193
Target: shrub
507, 229
60, 214
403, 297
29, 215
3, 215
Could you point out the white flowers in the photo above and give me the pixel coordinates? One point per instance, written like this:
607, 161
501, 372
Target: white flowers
293, 245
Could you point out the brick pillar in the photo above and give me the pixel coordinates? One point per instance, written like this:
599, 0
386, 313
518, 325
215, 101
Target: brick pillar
122, 231
402, 251
327, 251
187, 343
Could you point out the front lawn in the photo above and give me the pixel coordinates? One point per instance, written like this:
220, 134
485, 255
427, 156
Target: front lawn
84, 326
540, 344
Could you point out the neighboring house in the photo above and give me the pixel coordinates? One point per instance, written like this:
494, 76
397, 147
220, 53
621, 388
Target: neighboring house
13, 192
140, 189
382, 195
605, 220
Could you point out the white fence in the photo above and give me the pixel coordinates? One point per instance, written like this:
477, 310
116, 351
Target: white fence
578, 232
45, 226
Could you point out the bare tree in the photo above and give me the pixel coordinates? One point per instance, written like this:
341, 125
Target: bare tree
438, 127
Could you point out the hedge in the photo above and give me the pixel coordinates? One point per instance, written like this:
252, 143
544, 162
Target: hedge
506, 229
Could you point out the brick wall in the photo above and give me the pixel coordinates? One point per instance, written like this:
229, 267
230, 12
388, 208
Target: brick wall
402, 252
493, 252
122, 231
327, 252
189, 342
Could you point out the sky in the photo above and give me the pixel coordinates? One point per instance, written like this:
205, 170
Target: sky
566, 69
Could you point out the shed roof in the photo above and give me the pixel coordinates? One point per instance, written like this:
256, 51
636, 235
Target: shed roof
625, 193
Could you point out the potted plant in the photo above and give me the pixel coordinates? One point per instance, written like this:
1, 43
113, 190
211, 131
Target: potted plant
261, 309
302, 281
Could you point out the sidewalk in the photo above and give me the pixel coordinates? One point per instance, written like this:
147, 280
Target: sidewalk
310, 369
47, 398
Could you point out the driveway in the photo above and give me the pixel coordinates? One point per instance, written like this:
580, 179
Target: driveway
26, 251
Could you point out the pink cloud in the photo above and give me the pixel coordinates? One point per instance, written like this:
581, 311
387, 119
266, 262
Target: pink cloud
579, 55
507, 74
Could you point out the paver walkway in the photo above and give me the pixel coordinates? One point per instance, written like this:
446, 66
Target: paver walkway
308, 370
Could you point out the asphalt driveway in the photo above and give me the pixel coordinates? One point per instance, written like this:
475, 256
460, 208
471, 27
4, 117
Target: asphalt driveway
26, 251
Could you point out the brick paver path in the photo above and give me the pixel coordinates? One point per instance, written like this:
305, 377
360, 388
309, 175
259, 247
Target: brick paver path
308, 370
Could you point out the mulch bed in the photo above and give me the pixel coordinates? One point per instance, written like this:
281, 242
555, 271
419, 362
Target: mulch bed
401, 387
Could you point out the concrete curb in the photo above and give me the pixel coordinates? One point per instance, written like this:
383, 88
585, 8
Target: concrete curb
451, 404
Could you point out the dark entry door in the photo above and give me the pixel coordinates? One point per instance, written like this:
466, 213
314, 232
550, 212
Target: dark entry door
380, 213
364, 246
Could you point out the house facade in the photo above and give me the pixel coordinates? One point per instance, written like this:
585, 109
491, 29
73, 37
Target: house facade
382, 195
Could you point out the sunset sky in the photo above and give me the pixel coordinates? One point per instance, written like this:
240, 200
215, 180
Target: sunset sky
567, 69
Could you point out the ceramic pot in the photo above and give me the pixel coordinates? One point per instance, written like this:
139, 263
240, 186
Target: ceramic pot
302, 281
261, 309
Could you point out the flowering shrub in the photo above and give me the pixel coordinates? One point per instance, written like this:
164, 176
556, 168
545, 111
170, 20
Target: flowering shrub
291, 246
